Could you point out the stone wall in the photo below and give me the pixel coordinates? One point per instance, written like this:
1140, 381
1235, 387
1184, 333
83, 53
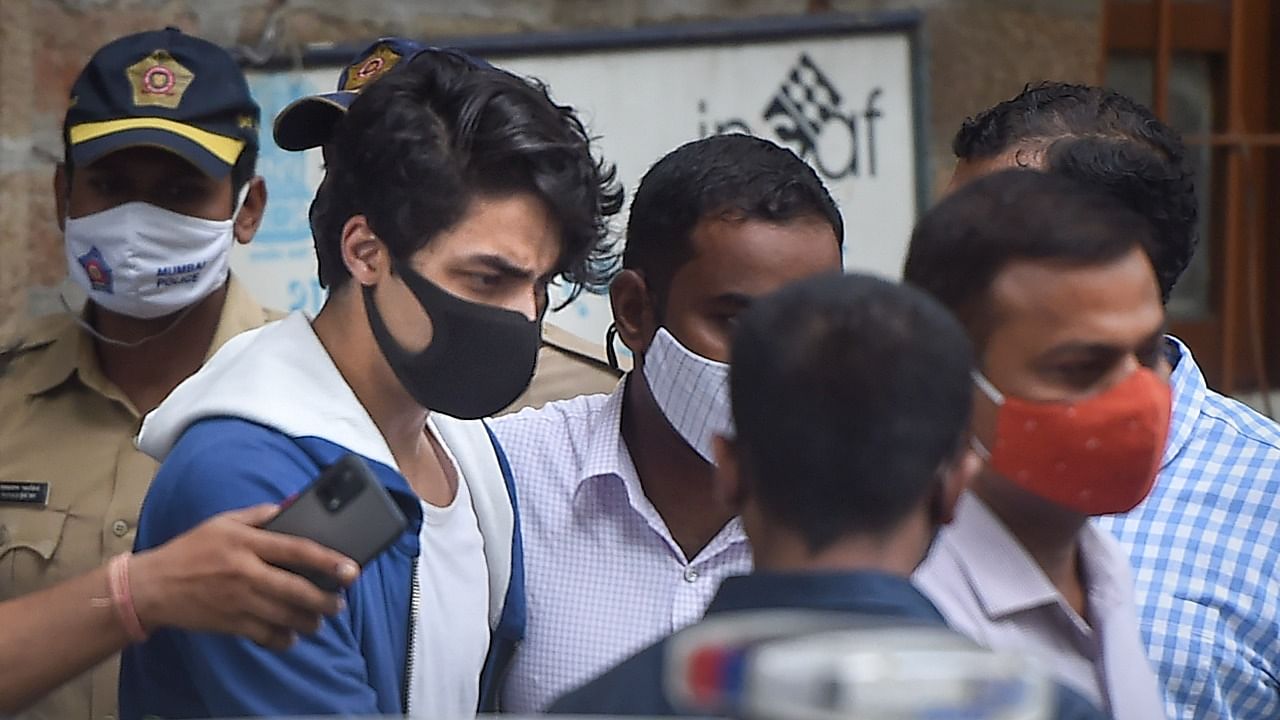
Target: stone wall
976, 51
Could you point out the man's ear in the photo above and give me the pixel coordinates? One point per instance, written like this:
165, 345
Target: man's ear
727, 485
365, 256
633, 311
249, 214
61, 193
956, 478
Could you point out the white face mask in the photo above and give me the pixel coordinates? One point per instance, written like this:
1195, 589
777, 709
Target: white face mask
691, 391
143, 261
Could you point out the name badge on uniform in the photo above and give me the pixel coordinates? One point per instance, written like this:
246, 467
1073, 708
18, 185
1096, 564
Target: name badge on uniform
24, 493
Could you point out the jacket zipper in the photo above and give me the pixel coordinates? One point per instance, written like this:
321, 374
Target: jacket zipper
415, 599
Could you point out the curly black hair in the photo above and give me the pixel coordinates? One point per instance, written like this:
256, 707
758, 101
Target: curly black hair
425, 139
1105, 139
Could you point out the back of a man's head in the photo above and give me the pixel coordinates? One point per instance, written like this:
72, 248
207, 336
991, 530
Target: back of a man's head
734, 176
1103, 139
850, 394
963, 243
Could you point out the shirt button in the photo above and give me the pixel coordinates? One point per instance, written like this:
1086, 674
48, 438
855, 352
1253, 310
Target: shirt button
120, 528
690, 575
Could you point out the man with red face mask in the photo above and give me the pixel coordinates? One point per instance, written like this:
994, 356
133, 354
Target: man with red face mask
1053, 282
1203, 544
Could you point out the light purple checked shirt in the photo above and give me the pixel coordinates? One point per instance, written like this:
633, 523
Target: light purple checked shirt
603, 576
990, 588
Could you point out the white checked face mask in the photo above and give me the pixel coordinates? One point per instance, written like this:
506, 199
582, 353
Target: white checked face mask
143, 261
691, 391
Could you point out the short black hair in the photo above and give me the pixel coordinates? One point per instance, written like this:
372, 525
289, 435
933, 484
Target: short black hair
963, 243
735, 176
425, 139
1107, 140
849, 394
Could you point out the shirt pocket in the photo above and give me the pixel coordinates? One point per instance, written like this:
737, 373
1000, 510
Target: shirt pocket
29, 538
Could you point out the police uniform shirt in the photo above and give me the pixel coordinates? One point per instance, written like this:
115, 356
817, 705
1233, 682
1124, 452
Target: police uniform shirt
71, 480
568, 366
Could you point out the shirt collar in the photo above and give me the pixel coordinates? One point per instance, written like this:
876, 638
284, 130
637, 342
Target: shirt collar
1189, 390
862, 592
71, 350
607, 458
607, 454
1003, 576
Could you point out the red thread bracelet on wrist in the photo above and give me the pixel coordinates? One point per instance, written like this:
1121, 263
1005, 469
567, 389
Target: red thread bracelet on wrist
122, 597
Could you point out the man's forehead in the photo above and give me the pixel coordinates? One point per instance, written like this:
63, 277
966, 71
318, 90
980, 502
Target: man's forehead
516, 229
730, 245
1118, 299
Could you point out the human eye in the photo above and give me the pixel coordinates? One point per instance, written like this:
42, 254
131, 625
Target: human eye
107, 186
181, 194
1082, 374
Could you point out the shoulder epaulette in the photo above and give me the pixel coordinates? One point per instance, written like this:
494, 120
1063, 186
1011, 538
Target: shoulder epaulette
16, 349
29, 337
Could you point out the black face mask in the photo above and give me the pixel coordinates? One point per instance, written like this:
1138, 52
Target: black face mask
480, 358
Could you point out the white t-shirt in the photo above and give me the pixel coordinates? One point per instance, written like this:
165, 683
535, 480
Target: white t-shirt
451, 634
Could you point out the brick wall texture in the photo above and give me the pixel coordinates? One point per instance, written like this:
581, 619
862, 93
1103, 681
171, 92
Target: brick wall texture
976, 52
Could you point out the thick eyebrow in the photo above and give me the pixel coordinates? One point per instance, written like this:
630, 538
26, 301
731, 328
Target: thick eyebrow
503, 266
1083, 348
108, 165
179, 173
1095, 348
734, 299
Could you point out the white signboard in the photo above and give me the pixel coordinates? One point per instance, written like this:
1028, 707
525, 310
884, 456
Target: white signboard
843, 103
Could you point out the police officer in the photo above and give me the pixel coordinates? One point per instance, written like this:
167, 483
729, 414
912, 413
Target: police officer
161, 140
568, 366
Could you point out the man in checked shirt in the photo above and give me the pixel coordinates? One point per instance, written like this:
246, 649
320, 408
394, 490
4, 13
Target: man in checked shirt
624, 540
1204, 545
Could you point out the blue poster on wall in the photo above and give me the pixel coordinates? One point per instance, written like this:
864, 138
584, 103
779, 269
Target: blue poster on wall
279, 266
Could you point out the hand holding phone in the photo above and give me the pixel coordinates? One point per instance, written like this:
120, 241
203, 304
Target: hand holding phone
345, 509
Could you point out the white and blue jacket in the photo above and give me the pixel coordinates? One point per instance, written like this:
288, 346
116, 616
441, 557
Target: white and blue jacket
257, 424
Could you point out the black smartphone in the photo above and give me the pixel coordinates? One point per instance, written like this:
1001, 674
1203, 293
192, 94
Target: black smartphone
346, 509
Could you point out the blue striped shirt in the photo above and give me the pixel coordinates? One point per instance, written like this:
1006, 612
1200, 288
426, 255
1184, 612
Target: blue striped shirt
1205, 547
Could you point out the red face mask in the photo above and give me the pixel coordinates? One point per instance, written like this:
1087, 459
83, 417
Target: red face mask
1097, 456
